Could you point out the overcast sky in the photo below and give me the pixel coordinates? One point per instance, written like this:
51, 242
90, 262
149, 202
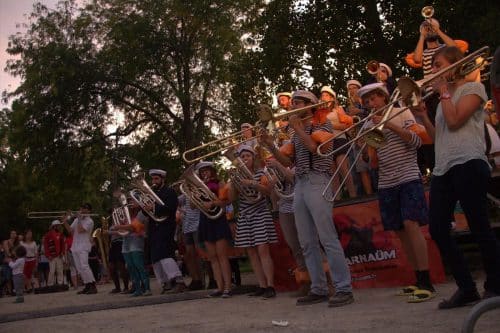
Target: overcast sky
12, 13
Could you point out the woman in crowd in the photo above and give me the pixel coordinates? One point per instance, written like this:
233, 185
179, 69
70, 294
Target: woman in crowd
30, 261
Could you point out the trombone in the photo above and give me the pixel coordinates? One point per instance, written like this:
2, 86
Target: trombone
409, 92
266, 119
56, 214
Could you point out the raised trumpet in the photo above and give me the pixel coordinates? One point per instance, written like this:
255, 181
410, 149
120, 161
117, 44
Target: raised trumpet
427, 12
372, 67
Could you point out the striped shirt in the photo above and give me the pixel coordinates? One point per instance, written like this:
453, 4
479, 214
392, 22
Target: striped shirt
305, 161
427, 56
255, 224
191, 216
398, 159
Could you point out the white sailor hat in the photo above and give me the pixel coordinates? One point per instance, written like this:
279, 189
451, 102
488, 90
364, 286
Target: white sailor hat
305, 95
245, 147
246, 125
55, 222
355, 82
284, 93
328, 90
204, 164
157, 172
387, 68
372, 87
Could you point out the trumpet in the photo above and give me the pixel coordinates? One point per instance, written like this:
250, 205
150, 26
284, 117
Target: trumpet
372, 67
56, 214
427, 12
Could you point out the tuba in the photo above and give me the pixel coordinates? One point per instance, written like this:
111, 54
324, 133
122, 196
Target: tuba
239, 172
144, 196
101, 236
196, 190
283, 188
121, 215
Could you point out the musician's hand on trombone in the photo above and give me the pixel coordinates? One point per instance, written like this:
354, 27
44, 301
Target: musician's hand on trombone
296, 123
419, 111
265, 139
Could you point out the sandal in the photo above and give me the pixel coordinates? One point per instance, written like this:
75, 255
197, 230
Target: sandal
420, 295
407, 291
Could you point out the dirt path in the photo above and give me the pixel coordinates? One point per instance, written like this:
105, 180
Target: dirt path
375, 310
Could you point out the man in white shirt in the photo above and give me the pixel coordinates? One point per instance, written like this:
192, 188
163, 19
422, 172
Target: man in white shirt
81, 230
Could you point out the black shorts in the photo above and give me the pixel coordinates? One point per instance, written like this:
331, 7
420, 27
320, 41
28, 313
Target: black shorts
339, 143
115, 252
191, 238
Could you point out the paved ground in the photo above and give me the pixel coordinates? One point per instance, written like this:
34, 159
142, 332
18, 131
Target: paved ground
375, 310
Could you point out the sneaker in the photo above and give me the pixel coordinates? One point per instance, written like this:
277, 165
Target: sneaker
312, 298
83, 291
340, 299
196, 285
116, 291
136, 294
269, 293
460, 298
259, 292
227, 294
215, 293
180, 287
92, 290
166, 287
147, 293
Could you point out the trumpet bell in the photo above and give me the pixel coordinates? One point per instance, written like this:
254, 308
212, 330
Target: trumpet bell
427, 12
372, 67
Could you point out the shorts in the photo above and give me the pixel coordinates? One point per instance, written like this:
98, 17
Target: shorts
115, 252
339, 142
213, 230
403, 202
191, 238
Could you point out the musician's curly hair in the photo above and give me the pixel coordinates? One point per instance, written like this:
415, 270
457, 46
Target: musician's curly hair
452, 54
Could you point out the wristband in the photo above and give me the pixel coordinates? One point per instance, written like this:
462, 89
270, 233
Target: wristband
445, 95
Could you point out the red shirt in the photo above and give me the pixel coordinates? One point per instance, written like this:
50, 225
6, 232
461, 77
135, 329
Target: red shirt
54, 244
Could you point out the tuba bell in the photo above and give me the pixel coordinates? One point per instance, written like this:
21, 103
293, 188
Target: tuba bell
121, 215
198, 192
145, 197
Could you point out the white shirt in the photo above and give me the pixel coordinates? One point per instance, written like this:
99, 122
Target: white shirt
81, 240
17, 266
31, 249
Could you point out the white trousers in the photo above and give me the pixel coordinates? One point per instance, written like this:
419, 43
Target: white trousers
82, 266
55, 267
166, 270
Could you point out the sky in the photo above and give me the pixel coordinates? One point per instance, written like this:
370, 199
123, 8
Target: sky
12, 13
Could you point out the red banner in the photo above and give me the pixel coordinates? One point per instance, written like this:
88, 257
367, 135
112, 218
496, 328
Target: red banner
375, 256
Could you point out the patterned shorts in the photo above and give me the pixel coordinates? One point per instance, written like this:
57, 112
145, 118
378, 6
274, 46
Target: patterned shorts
403, 202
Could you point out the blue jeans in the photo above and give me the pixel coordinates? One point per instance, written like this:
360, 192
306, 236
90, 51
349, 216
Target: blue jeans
314, 219
467, 183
